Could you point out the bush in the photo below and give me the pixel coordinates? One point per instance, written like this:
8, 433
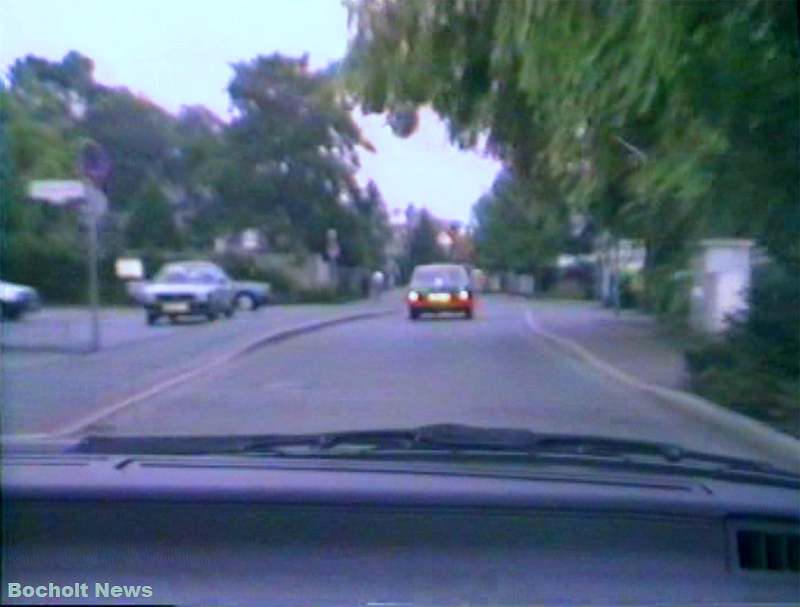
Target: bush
56, 269
320, 296
631, 290
755, 368
240, 268
666, 292
284, 290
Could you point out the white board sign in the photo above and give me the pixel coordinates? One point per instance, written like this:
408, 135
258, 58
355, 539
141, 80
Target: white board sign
57, 192
129, 268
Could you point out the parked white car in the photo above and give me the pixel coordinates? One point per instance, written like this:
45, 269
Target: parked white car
16, 300
189, 288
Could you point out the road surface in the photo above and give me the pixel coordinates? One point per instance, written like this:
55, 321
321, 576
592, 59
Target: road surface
392, 372
44, 390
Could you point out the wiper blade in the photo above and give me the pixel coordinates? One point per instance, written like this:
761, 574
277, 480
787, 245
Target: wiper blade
447, 437
454, 438
244, 444
632, 450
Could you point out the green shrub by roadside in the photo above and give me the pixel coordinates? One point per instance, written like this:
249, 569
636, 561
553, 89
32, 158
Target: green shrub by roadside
284, 290
755, 367
323, 296
57, 269
240, 268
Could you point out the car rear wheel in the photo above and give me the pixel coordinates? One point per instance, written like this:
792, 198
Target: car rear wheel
245, 301
229, 312
211, 316
173, 320
152, 318
413, 314
468, 313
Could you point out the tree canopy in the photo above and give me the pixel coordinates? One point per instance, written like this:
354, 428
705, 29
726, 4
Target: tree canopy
423, 246
665, 121
285, 162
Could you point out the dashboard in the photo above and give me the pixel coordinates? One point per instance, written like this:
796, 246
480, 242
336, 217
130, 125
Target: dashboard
222, 531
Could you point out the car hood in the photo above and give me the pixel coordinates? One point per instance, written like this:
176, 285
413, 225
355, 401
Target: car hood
164, 288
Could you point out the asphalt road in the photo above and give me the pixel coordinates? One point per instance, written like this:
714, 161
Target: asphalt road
44, 390
391, 372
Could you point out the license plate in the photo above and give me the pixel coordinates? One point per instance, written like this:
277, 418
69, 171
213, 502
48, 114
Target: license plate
175, 307
439, 297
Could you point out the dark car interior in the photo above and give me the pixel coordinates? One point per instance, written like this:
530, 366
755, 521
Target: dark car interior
231, 531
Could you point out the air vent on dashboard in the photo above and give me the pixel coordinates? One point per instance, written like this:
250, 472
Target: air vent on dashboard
768, 550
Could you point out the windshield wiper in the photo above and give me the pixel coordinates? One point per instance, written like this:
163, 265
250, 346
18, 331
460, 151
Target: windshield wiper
455, 439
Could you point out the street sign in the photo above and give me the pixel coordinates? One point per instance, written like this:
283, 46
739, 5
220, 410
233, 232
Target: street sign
57, 192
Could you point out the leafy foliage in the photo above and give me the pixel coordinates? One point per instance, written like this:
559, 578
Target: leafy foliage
284, 164
515, 233
151, 223
756, 368
422, 247
666, 121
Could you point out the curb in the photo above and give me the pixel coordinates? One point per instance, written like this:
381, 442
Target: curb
775, 445
265, 340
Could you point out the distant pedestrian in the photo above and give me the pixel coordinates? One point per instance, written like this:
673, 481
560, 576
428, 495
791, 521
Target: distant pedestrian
377, 284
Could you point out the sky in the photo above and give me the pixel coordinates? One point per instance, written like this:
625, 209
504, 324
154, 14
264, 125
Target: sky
178, 52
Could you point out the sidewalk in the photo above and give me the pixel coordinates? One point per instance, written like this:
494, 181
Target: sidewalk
637, 351
632, 342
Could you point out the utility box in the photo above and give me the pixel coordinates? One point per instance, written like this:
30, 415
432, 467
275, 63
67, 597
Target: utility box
721, 282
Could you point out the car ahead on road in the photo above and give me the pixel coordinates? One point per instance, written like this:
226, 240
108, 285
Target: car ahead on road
190, 288
16, 300
439, 288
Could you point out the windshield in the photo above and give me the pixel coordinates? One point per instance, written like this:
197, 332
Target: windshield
182, 275
439, 276
559, 217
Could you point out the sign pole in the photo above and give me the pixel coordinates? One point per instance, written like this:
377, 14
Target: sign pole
95, 165
94, 295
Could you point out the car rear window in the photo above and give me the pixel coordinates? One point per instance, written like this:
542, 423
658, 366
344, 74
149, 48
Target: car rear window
186, 275
439, 277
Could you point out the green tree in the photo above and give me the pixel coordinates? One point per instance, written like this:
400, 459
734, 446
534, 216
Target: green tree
665, 121
513, 232
151, 224
292, 151
138, 136
40, 244
422, 244
373, 225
